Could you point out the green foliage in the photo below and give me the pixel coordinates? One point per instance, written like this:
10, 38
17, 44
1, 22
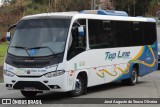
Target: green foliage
141, 7
41, 1
10, 14
12, 1
35, 8
3, 50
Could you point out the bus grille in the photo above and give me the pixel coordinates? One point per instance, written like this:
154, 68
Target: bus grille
30, 84
31, 64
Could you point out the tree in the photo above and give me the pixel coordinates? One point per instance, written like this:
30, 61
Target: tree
153, 7
69, 5
41, 1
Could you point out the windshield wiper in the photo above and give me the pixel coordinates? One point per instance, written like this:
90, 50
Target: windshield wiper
20, 47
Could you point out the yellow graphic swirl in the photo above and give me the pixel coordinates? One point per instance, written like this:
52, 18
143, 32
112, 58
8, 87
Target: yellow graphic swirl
139, 54
144, 63
100, 74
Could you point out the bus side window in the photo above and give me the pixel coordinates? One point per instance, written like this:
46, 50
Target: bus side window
136, 26
121, 32
137, 38
106, 25
100, 34
149, 30
77, 43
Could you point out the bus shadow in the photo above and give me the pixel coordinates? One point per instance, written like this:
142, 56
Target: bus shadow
58, 98
110, 86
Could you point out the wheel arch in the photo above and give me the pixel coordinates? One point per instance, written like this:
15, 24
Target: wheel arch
84, 75
136, 66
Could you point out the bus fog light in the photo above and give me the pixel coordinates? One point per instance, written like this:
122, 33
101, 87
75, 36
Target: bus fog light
54, 74
9, 85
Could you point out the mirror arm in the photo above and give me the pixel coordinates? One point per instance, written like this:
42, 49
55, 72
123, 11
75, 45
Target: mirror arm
11, 27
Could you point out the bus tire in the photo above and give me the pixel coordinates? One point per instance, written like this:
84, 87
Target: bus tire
133, 79
29, 94
79, 87
158, 66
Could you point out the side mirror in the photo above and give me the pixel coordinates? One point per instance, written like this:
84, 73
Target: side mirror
81, 31
8, 37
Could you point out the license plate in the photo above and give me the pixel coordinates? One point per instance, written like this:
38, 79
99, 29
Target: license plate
30, 89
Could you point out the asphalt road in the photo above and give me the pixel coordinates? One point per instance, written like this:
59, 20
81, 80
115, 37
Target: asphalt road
148, 87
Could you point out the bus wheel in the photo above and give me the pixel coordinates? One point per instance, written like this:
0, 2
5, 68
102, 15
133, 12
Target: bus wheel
79, 87
29, 94
133, 79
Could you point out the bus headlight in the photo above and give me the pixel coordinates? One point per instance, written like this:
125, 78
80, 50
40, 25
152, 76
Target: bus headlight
54, 74
8, 73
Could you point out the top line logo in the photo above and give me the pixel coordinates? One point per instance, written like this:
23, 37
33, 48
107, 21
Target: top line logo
119, 54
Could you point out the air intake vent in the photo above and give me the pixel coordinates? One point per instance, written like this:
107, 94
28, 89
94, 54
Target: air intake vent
31, 64
35, 84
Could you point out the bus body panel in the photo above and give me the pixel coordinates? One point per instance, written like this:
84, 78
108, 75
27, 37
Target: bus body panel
107, 65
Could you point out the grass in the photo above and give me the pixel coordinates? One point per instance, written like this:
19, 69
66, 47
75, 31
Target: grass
3, 50
1, 74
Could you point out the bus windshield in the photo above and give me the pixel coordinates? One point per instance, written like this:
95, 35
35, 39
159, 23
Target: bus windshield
39, 37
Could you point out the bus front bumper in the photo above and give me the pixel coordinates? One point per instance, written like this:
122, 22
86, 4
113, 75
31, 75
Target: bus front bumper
56, 84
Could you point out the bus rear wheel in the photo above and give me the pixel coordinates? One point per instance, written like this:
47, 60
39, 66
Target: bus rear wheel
133, 79
79, 87
29, 94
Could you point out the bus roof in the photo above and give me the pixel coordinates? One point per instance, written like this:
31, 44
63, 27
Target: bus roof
105, 12
55, 14
119, 18
88, 16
